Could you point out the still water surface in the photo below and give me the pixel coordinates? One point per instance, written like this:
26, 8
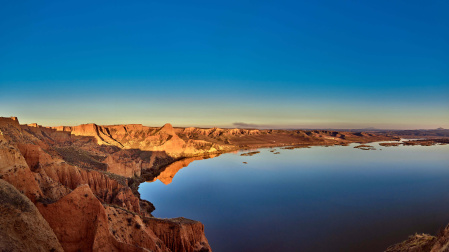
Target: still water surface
313, 199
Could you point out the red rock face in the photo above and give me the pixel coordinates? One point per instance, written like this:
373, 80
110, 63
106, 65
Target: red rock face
106, 189
22, 226
84, 179
14, 169
10, 121
78, 220
82, 223
180, 234
126, 163
88, 209
31, 154
187, 142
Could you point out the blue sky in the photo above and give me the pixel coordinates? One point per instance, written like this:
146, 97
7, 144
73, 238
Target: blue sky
319, 64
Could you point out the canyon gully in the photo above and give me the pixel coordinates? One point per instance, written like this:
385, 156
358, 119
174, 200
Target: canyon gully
336, 198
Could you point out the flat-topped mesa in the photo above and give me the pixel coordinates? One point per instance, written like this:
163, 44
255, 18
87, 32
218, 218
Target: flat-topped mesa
186, 142
62, 128
216, 132
101, 133
136, 136
90, 129
10, 120
35, 125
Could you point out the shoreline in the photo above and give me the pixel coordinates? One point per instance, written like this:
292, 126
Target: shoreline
165, 201
52, 166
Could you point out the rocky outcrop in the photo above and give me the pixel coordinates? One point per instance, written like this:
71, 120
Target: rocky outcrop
187, 142
441, 241
128, 228
22, 226
81, 192
11, 121
32, 154
180, 234
423, 243
79, 221
177, 234
100, 133
14, 169
134, 162
84, 179
106, 189
415, 243
82, 223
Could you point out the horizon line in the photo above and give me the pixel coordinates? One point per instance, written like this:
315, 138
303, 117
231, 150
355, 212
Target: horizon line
259, 127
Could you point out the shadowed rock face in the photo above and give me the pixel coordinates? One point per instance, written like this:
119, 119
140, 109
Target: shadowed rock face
22, 226
184, 142
424, 243
79, 220
83, 204
83, 223
84, 179
177, 234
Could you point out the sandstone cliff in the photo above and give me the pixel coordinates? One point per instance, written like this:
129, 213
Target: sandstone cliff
83, 202
22, 226
84, 180
186, 142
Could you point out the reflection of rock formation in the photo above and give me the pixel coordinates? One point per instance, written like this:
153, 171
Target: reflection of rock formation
185, 142
84, 180
82, 204
167, 175
136, 136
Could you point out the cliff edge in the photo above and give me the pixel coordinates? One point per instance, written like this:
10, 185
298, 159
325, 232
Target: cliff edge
79, 183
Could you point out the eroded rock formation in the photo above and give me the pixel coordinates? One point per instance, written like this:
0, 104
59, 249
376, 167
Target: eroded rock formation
84, 180
81, 191
185, 142
22, 226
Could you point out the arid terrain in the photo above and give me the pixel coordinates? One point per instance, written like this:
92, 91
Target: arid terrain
75, 188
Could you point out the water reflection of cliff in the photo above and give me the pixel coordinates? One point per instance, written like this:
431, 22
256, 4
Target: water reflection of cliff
167, 175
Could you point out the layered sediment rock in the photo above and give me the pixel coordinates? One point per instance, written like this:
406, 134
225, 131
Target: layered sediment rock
180, 234
22, 226
82, 195
186, 142
14, 169
84, 179
79, 221
177, 234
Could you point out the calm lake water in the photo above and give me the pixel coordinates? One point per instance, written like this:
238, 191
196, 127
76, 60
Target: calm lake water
313, 199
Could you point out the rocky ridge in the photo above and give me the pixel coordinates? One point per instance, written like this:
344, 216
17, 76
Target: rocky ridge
83, 179
78, 200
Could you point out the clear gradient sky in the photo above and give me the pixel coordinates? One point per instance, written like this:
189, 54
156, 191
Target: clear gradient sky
294, 64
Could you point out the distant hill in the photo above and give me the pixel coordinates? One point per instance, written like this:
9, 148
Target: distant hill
433, 133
